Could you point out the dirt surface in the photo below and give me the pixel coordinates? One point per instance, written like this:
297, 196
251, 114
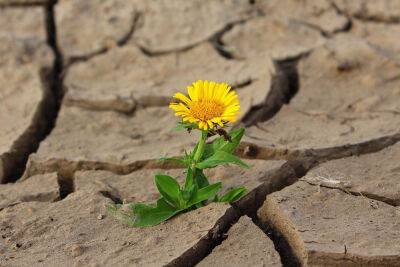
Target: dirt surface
23, 53
246, 245
331, 227
84, 94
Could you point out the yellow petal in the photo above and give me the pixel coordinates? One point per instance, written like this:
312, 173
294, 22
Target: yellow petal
198, 86
203, 125
206, 90
192, 93
183, 98
212, 90
230, 97
225, 88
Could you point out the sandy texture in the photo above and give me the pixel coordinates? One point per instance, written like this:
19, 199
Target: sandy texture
42, 188
348, 95
383, 11
330, 227
246, 245
371, 175
278, 37
22, 54
382, 36
159, 25
126, 78
70, 232
110, 139
320, 15
319, 89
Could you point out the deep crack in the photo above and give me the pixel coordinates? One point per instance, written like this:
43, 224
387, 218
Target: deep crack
204, 247
66, 185
71, 166
274, 181
285, 85
46, 115
282, 245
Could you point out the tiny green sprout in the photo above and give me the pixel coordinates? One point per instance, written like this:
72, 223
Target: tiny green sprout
209, 108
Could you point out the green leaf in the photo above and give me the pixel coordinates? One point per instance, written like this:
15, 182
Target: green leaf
150, 216
144, 215
201, 179
205, 193
174, 159
224, 145
220, 158
233, 194
187, 193
190, 186
169, 189
189, 181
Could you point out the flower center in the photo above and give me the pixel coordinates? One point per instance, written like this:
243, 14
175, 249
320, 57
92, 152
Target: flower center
206, 110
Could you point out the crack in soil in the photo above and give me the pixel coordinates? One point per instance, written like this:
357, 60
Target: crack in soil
119, 43
43, 122
204, 247
274, 181
348, 191
46, 114
31, 3
254, 151
115, 197
71, 166
285, 85
219, 45
215, 39
245, 150
282, 245
66, 185
127, 106
363, 16
326, 34
12, 164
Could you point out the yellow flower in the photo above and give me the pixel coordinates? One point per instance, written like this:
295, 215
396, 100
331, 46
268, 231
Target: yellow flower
208, 104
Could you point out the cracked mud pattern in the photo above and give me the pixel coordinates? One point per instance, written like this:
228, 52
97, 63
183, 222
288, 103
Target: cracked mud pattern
84, 93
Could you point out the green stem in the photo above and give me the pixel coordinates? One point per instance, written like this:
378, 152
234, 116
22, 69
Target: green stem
197, 157
200, 147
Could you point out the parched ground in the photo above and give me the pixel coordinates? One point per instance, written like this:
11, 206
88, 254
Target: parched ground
84, 93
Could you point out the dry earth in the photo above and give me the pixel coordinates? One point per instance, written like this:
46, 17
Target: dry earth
84, 93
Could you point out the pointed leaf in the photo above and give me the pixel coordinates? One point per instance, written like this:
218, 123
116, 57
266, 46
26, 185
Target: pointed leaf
224, 145
153, 216
233, 194
189, 181
181, 161
169, 189
187, 193
190, 186
201, 179
205, 193
220, 158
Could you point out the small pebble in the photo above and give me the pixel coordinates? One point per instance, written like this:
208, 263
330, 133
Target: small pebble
100, 217
76, 250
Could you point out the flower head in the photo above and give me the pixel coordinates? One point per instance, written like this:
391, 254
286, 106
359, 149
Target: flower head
208, 104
